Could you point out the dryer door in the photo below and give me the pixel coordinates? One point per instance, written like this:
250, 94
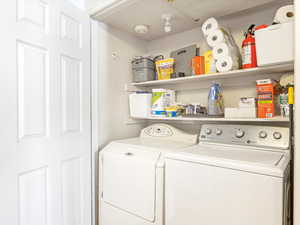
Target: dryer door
201, 194
129, 178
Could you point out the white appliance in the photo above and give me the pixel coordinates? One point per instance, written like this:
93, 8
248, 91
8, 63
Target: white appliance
132, 175
235, 175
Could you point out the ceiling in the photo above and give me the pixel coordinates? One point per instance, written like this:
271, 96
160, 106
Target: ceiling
188, 14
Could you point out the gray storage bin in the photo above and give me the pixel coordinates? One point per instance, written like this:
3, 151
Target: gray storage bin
143, 69
143, 74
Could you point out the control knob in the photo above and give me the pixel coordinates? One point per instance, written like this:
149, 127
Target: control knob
208, 131
239, 133
277, 135
219, 131
263, 134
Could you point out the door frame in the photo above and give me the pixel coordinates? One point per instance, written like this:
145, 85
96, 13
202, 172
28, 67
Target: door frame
94, 116
297, 116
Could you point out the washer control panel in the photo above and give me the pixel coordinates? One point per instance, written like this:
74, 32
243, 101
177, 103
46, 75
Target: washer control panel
162, 131
257, 136
159, 131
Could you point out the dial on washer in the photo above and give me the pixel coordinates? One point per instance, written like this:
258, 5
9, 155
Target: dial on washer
208, 131
277, 135
219, 131
262, 134
239, 133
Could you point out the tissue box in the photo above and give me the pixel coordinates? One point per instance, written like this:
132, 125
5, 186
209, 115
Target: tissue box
240, 112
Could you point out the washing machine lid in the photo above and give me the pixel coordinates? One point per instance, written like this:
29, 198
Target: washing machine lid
238, 154
155, 144
266, 162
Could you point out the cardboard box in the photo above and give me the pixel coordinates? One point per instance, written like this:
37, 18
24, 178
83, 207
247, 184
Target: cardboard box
266, 98
240, 112
210, 65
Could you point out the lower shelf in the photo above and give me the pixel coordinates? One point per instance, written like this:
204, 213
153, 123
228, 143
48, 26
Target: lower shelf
274, 119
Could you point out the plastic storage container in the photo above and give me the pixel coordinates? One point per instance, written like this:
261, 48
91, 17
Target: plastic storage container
143, 69
275, 44
140, 104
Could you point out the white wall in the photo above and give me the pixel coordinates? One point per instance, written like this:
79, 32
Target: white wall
116, 49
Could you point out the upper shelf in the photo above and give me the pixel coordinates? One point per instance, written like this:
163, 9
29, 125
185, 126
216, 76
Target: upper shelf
231, 78
277, 119
188, 14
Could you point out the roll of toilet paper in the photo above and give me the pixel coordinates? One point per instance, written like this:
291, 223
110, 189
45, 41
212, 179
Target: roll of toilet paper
223, 50
285, 14
227, 64
209, 25
217, 37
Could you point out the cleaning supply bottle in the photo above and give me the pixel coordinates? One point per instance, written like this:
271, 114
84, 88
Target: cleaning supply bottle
215, 101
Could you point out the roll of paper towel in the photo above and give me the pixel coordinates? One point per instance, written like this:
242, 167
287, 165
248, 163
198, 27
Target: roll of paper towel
216, 37
227, 64
223, 50
209, 25
285, 14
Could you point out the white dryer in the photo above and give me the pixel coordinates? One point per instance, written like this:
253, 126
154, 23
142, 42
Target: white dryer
236, 175
131, 177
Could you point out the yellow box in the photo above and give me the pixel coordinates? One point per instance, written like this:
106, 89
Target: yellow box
165, 68
210, 65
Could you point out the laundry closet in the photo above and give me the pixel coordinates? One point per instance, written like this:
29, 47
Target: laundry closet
126, 34
149, 112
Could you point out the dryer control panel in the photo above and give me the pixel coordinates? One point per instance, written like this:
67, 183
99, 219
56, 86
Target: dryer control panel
166, 132
256, 136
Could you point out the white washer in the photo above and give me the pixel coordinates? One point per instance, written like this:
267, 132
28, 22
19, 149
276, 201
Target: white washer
132, 175
235, 175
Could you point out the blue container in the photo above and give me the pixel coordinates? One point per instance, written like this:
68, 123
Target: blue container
215, 101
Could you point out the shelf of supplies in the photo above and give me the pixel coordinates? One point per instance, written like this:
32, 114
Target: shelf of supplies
231, 78
211, 119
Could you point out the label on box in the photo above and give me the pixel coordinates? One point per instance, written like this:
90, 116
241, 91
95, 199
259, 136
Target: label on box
247, 102
265, 101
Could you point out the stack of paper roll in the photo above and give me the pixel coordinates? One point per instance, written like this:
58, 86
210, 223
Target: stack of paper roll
225, 50
285, 14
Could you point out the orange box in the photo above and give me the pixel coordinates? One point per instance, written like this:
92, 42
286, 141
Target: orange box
266, 93
198, 65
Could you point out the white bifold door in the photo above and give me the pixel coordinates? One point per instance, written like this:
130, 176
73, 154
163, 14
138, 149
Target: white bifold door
45, 157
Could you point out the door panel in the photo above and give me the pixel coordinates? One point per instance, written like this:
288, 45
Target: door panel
33, 11
33, 197
71, 192
32, 63
71, 93
45, 155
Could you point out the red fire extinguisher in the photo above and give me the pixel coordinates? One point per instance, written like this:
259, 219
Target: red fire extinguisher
249, 49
